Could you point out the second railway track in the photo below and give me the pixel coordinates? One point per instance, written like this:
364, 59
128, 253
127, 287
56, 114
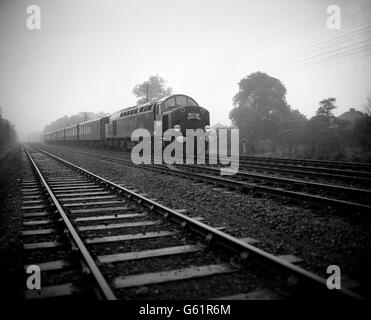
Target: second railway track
312, 164
130, 247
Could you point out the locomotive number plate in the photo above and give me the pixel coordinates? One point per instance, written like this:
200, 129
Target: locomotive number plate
193, 116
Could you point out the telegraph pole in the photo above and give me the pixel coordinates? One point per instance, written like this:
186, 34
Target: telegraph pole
147, 87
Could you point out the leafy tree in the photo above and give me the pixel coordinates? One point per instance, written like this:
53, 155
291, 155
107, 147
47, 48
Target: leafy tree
153, 88
327, 136
366, 114
367, 107
260, 108
262, 92
326, 106
362, 129
290, 133
8, 134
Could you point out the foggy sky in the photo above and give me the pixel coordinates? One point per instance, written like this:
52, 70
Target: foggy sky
89, 54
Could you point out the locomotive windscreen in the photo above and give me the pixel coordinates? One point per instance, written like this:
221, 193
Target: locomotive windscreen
179, 101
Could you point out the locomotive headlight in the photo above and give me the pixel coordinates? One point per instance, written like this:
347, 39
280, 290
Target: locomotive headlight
202, 110
177, 127
207, 128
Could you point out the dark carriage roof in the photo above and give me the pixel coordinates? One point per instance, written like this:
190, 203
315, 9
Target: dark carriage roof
92, 120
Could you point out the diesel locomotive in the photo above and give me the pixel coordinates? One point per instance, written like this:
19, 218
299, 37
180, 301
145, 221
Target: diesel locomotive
114, 131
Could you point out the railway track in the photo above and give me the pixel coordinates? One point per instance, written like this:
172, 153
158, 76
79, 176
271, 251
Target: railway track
47, 227
344, 199
354, 166
125, 245
350, 193
352, 177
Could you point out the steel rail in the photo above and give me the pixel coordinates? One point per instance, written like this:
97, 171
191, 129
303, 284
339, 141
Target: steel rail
100, 281
313, 185
297, 172
339, 164
287, 166
306, 282
344, 172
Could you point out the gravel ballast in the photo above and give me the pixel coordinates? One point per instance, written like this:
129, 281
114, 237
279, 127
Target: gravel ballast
11, 251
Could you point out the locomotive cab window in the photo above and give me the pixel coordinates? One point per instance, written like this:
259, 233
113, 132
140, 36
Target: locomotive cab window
170, 102
191, 102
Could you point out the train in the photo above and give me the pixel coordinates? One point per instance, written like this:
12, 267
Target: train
114, 131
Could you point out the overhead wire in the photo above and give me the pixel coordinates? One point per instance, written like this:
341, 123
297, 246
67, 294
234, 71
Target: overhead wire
346, 44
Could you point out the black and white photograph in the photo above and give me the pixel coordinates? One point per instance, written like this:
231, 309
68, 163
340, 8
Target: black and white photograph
183, 155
